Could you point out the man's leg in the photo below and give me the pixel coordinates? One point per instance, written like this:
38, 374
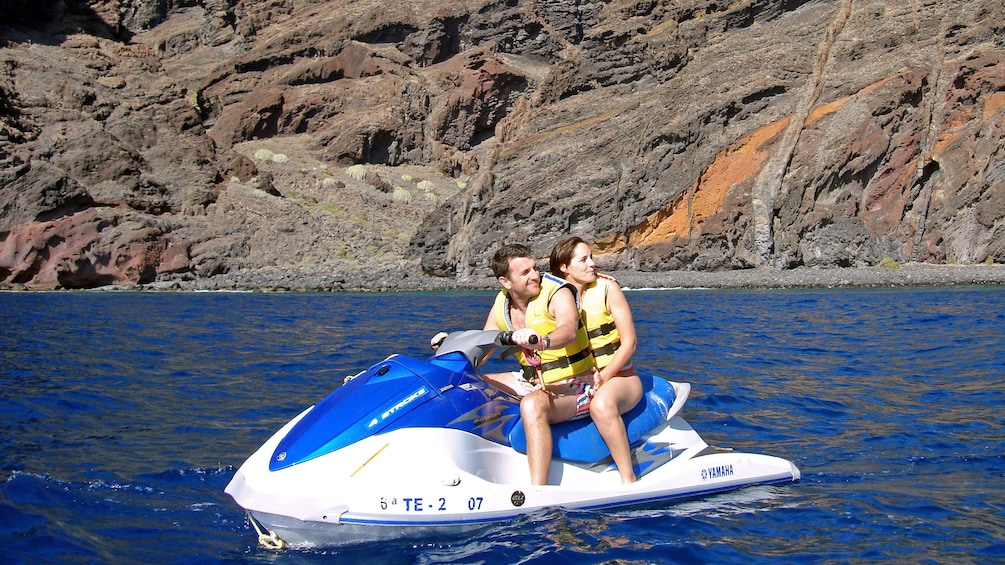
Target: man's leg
510, 383
539, 410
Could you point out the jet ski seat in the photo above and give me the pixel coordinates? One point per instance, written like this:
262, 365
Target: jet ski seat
580, 441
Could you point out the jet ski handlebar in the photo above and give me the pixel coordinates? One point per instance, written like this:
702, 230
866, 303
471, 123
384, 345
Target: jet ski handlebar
506, 338
476, 345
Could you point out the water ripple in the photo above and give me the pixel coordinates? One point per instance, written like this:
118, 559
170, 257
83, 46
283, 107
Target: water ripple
124, 415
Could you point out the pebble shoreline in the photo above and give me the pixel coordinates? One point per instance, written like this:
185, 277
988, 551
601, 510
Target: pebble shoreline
914, 274
911, 274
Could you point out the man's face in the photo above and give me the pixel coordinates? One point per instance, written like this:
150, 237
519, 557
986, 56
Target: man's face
522, 279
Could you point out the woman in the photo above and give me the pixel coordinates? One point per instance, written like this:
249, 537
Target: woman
608, 321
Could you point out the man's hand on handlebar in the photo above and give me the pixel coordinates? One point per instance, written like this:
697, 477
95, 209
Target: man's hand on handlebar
526, 338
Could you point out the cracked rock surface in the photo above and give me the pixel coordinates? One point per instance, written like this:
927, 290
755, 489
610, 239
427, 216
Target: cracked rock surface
375, 145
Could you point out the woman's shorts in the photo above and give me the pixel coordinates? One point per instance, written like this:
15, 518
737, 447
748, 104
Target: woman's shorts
581, 385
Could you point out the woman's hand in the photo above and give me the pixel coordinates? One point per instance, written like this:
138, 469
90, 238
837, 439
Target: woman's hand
599, 379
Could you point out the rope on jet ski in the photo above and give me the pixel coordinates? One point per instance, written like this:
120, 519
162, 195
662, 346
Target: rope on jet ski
269, 540
534, 359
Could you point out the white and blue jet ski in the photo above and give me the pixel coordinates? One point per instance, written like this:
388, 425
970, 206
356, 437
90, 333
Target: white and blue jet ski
411, 449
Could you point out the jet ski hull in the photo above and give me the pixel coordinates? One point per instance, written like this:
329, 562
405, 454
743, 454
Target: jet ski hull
420, 482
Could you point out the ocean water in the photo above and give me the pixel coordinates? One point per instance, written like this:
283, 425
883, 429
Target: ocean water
124, 416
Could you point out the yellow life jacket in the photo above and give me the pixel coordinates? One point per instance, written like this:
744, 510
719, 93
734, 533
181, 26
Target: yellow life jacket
559, 363
600, 326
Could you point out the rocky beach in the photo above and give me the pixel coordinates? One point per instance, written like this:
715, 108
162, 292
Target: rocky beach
393, 280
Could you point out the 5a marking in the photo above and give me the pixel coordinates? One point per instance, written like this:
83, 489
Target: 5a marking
419, 504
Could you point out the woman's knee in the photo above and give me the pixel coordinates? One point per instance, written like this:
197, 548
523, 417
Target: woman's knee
603, 406
617, 397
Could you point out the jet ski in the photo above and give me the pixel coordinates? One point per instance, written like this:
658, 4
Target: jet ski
412, 448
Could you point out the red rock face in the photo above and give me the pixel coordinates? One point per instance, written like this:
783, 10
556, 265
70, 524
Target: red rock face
143, 141
95, 247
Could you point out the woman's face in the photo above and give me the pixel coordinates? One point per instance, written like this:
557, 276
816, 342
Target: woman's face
581, 269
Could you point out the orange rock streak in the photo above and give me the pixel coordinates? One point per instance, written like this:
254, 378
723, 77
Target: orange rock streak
734, 165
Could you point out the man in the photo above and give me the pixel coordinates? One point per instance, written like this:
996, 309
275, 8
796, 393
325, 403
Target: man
556, 383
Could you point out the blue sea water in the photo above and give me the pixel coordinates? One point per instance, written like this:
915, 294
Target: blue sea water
124, 416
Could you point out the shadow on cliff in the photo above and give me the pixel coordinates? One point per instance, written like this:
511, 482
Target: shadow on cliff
50, 22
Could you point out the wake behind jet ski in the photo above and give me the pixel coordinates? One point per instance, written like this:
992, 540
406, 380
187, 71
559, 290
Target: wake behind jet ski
412, 448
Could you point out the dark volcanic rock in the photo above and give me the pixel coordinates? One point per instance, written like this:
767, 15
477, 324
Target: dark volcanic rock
819, 136
352, 144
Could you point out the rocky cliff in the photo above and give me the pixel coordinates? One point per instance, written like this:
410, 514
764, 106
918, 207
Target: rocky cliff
157, 140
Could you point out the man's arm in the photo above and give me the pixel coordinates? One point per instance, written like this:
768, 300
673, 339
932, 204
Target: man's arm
563, 309
490, 322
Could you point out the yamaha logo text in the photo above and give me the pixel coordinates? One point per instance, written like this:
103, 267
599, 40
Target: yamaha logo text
717, 472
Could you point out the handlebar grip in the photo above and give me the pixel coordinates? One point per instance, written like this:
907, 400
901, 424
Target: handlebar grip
506, 338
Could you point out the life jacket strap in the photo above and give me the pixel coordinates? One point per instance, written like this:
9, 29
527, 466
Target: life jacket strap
608, 349
602, 330
565, 361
